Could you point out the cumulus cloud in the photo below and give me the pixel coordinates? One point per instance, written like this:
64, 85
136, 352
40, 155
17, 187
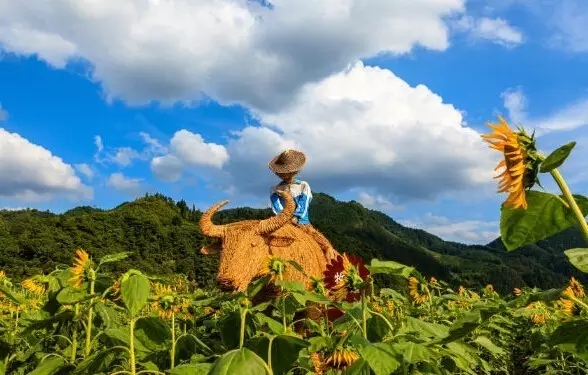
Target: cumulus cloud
130, 186
366, 128
188, 150
31, 172
496, 30
235, 51
464, 231
86, 170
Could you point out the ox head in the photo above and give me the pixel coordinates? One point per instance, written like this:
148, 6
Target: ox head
244, 245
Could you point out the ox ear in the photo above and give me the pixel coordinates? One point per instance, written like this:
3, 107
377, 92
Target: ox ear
214, 248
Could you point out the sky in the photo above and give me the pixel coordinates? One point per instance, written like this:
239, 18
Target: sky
104, 101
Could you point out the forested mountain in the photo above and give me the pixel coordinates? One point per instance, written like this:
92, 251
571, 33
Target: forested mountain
164, 238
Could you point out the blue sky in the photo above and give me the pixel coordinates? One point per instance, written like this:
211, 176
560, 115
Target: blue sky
100, 103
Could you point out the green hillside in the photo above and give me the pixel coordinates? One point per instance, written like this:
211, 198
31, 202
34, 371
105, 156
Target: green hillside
164, 238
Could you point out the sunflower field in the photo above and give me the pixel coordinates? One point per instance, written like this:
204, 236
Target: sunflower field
83, 319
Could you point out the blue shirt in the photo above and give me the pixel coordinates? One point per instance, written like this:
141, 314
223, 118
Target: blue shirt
301, 194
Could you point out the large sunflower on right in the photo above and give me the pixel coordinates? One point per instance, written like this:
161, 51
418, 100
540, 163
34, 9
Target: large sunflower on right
521, 161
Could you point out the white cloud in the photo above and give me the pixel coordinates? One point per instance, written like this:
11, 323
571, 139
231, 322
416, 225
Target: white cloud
99, 148
515, 103
463, 231
167, 168
124, 156
188, 150
365, 128
31, 172
236, 51
377, 202
86, 170
569, 117
496, 30
119, 181
153, 145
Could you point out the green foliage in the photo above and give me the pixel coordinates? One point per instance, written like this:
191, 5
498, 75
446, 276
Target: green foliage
546, 216
134, 289
174, 328
557, 157
579, 258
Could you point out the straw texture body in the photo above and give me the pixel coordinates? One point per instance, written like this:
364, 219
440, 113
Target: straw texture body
246, 245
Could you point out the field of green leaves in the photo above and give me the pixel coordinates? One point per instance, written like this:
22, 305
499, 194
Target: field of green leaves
81, 320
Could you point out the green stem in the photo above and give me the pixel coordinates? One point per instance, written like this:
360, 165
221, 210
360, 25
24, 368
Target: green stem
242, 333
173, 341
132, 360
269, 352
363, 314
74, 335
328, 329
571, 201
383, 318
284, 322
88, 346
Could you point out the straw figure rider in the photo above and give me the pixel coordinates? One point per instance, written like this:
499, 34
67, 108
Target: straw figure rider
286, 166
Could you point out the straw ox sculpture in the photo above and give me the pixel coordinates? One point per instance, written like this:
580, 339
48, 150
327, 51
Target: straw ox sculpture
244, 247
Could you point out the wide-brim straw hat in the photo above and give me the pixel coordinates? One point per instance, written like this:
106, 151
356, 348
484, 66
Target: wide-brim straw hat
289, 161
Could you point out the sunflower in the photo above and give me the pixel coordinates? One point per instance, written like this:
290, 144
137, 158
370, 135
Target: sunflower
342, 358
82, 262
538, 312
345, 277
577, 288
521, 161
167, 302
418, 291
35, 287
566, 304
273, 266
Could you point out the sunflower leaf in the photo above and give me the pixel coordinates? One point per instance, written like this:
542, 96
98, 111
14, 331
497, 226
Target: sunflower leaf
547, 215
579, 258
389, 267
134, 290
557, 158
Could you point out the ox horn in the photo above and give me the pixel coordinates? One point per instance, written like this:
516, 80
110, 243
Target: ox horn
207, 227
273, 223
